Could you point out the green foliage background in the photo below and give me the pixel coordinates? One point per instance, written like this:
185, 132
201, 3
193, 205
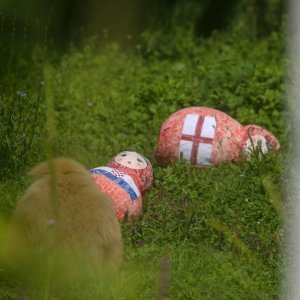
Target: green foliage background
219, 229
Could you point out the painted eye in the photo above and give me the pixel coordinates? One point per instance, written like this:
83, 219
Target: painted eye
123, 154
139, 160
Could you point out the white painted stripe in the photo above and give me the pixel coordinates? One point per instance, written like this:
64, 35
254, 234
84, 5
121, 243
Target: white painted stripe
125, 177
108, 169
185, 149
204, 154
130, 181
209, 127
189, 125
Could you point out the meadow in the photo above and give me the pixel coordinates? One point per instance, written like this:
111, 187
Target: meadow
211, 233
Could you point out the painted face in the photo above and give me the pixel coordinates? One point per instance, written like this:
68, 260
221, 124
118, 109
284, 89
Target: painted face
257, 141
132, 160
135, 165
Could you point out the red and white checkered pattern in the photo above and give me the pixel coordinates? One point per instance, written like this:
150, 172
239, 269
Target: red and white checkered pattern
118, 173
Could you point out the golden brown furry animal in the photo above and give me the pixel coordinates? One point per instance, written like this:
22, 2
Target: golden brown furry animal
63, 211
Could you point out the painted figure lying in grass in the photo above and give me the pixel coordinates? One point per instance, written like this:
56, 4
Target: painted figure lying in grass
125, 179
206, 136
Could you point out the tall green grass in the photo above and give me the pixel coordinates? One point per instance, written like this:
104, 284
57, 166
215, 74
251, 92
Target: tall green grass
205, 233
21, 93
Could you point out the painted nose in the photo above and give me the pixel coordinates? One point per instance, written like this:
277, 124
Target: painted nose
129, 162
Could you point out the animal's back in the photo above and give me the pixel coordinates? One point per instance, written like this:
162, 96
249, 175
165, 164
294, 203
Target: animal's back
63, 208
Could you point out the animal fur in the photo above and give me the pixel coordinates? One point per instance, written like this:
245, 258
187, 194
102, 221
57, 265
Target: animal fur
63, 209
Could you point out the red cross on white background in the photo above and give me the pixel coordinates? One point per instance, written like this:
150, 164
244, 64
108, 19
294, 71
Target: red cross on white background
196, 139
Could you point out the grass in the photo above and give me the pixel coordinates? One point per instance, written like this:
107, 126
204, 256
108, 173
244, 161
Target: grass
212, 233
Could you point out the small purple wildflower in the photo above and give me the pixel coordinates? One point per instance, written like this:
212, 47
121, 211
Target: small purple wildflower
21, 94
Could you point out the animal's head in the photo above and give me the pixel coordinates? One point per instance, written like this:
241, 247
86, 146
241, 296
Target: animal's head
257, 137
56, 166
